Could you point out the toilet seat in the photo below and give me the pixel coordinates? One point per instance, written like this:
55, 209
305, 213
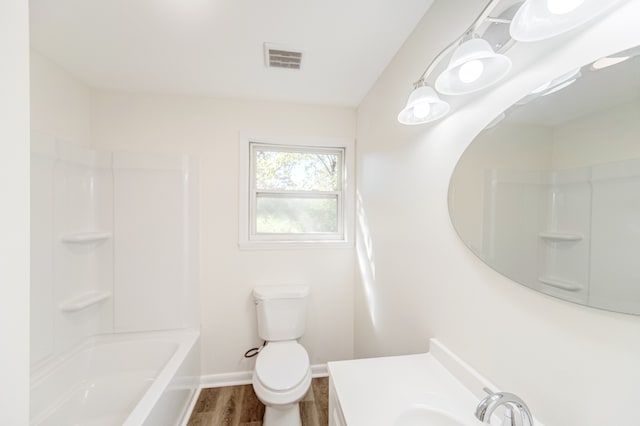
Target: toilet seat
281, 366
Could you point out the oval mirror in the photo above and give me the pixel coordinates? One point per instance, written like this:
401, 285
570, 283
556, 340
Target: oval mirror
549, 193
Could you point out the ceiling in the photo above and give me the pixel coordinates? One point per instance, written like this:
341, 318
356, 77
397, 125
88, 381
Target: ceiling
215, 47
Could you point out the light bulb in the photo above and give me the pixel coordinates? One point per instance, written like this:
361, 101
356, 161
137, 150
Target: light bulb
421, 110
470, 71
561, 7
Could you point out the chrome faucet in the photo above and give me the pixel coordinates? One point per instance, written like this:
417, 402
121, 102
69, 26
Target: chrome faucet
517, 413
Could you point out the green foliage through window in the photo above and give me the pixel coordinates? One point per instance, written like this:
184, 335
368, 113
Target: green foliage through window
297, 171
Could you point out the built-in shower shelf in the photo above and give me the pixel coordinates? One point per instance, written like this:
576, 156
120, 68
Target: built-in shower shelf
85, 237
560, 236
560, 283
83, 301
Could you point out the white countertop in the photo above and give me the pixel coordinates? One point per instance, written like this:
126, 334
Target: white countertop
376, 391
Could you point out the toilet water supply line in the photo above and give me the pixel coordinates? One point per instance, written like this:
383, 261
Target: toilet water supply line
254, 351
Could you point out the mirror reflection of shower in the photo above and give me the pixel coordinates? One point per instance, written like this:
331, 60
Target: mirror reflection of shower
549, 193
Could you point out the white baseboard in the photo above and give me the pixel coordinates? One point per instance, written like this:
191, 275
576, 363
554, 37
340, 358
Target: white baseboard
319, 370
244, 377
226, 379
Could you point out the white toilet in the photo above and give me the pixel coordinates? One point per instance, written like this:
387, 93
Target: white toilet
282, 375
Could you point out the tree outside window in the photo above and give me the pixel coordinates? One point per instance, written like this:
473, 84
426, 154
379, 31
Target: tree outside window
296, 192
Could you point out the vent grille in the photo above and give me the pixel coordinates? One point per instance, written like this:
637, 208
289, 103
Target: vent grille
281, 57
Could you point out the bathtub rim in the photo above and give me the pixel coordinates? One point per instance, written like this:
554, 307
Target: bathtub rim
185, 339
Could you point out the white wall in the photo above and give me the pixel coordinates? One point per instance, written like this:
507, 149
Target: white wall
60, 104
60, 111
208, 130
575, 366
578, 142
155, 250
14, 214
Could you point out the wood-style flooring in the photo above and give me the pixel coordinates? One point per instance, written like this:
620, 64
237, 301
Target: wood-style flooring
239, 406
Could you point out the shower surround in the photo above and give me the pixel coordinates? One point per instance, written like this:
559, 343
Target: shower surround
114, 267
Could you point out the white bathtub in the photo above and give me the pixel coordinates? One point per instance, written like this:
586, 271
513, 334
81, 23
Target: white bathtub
127, 379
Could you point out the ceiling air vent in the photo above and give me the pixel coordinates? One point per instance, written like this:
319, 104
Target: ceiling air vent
282, 57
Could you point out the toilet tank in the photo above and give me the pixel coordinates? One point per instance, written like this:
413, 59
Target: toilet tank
281, 311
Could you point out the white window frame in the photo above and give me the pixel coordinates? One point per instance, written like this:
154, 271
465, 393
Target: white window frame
249, 239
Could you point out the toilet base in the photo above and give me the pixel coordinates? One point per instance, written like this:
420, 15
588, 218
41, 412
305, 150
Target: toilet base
282, 415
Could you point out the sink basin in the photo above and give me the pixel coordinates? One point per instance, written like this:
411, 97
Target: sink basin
426, 416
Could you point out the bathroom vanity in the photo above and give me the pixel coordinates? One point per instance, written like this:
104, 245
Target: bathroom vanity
436, 388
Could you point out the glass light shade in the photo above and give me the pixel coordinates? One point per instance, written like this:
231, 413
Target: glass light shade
474, 66
542, 19
423, 106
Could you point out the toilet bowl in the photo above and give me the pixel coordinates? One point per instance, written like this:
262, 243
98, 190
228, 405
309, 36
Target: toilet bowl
281, 378
282, 375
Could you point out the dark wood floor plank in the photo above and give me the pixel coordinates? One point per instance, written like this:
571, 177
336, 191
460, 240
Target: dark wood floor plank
252, 410
239, 406
308, 413
198, 419
309, 396
321, 391
227, 410
207, 400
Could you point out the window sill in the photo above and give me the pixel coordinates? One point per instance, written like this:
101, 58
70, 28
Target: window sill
294, 245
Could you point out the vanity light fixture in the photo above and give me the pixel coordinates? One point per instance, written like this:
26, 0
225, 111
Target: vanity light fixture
423, 106
473, 66
561, 7
542, 19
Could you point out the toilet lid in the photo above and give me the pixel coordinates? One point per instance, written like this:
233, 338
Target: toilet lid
282, 365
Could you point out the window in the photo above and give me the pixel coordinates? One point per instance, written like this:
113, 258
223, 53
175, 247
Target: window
295, 193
